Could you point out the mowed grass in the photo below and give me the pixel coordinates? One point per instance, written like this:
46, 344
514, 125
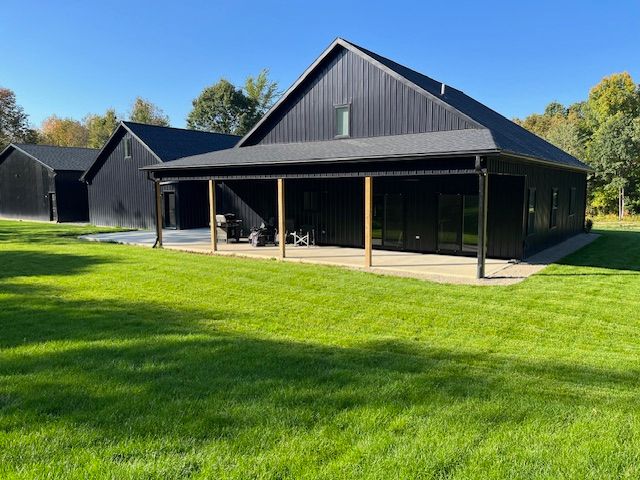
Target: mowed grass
125, 362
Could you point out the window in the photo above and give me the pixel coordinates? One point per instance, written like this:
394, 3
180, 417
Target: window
531, 212
572, 201
342, 121
127, 147
553, 220
310, 201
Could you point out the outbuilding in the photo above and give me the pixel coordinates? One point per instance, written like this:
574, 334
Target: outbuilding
367, 153
42, 182
121, 195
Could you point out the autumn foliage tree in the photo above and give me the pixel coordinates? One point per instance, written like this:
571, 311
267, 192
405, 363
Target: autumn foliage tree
604, 131
64, 132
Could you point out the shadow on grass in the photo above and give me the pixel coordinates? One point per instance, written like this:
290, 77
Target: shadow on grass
615, 253
29, 263
165, 374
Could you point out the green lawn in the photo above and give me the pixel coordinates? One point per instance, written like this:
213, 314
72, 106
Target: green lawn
124, 362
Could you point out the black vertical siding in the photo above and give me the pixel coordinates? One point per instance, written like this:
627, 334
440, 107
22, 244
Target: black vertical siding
24, 188
544, 179
192, 204
72, 197
120, 194
504, 216
380, 105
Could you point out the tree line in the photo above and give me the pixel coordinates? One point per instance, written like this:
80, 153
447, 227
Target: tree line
604, 131
222, 108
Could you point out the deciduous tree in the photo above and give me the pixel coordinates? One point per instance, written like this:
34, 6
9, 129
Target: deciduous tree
100, 127
222, 108
143, 111
14, 122
64, 132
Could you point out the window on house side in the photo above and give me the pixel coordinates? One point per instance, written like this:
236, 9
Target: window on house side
127, 147
342, 121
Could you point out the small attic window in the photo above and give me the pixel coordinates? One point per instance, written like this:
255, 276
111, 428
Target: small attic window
342, 121
127, 147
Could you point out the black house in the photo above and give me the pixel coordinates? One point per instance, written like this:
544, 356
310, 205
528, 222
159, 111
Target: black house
376, 155
42, 182
121, 195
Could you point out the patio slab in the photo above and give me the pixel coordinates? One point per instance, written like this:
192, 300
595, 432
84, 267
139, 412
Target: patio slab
438, 268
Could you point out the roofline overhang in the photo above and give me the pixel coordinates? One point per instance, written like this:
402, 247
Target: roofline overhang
322, 161
16, 147
547, 163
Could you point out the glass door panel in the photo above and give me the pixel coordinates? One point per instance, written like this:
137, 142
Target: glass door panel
393, 233
169, 210
470, 224
449, 222
378, 219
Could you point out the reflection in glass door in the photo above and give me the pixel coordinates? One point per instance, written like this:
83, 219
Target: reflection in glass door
169, 210
470, 224
388, 220
457, 223
393, 232
449, 223
378, 219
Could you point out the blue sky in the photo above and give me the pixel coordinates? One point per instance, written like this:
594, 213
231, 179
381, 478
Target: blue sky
75, 57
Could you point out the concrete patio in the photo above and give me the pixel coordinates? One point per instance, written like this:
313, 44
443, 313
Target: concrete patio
438, 268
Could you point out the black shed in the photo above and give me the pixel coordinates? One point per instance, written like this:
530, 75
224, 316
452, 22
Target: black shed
42, 182
121, 195
376, 155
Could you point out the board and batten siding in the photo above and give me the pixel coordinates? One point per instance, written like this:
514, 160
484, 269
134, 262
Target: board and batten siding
119, 193
544, 179
379, 105
24, 188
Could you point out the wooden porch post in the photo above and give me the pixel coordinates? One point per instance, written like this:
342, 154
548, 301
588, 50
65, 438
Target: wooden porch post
368, 221
483, 196
282, 234
213, 224
158, 191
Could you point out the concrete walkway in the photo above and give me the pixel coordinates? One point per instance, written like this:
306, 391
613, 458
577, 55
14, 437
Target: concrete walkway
438, 268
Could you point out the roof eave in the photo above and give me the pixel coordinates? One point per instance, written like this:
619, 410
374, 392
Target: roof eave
319, 161
549, 163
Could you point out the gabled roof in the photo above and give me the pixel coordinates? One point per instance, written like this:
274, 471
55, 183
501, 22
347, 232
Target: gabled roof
434, 144
55, 158
508, 137
165, 143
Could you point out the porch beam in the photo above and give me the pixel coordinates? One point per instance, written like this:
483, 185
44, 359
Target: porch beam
483, 197
282, 234
158, 192
368, 221
213, 224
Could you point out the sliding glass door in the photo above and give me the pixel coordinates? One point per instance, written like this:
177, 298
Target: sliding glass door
389, 220
457, 223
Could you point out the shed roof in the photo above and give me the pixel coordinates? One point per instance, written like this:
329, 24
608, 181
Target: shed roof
54, 157
165, 143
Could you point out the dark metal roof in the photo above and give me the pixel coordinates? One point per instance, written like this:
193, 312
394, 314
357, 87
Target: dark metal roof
170, 143
509, 136
456, 142
54, 157
165, 143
